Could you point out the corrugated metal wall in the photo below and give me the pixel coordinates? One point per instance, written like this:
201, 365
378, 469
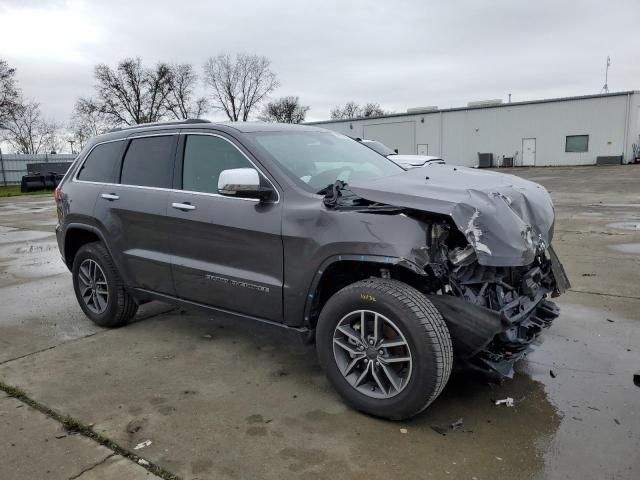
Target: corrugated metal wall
14, 166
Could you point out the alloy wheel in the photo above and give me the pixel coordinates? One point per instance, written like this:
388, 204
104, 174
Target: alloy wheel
372, 354
92, 283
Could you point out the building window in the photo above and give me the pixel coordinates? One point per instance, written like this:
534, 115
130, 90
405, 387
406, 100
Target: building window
577, 143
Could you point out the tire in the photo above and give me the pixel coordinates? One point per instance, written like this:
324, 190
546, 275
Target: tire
116, 307
406, 316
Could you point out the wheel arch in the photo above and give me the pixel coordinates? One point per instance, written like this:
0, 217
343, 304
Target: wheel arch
338, 271
77, 235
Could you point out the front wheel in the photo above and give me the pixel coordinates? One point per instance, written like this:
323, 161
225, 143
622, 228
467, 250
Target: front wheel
384, 347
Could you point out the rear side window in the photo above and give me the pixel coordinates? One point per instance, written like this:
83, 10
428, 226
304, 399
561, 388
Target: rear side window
101, 164
205, 157
149, 162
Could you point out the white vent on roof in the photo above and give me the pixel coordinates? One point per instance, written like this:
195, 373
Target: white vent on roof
432, 108
485, 103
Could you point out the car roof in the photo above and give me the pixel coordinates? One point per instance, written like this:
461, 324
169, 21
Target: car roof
200, 125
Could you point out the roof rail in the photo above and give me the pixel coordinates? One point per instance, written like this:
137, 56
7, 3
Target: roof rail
161, 124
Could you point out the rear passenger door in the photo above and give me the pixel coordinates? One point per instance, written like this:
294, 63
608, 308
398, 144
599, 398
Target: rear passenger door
134, 211
227, 252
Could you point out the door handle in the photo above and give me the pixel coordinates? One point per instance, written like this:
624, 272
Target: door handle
110, 196
183, 206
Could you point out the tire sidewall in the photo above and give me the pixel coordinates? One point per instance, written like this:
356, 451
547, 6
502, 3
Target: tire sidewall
90, 252
423, 379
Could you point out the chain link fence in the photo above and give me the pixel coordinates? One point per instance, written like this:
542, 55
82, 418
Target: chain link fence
14, 166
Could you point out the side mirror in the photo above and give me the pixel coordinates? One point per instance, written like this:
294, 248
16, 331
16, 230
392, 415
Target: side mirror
243, 183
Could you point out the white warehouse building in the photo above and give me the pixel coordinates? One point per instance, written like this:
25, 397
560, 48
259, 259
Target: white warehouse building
551, 132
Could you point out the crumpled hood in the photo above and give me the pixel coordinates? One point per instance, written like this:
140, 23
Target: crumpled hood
506, 219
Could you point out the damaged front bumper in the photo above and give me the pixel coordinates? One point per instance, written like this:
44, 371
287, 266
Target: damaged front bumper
494, 314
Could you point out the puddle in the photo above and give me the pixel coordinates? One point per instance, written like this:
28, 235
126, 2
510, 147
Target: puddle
632, 248
625, 225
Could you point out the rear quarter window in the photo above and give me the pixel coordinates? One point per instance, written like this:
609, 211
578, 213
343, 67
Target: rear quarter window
102, 163
149, 162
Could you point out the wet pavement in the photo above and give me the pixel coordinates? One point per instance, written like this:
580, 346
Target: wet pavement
219, 398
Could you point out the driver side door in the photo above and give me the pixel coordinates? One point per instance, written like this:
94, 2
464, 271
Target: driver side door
226, 251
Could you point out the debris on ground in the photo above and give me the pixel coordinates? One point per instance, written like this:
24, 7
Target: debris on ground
499, 459
144, 444
208, 336
594, 408
636, 379
552, 374
143, 462
457, 424
617, 421
506, 401
60, 436
610, 321
438, 429
403, 430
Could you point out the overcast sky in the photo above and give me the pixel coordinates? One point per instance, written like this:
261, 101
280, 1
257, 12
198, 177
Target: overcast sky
397, 53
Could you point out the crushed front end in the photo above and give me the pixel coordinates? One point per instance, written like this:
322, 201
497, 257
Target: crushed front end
488, 262
495, 313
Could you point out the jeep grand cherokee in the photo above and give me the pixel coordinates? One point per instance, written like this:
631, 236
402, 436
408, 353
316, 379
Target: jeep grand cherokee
395, 274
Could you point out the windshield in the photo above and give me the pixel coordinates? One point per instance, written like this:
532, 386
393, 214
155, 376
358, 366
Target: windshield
381, 148
317, 159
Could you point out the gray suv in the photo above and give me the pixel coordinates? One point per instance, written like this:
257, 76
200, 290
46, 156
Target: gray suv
396, 275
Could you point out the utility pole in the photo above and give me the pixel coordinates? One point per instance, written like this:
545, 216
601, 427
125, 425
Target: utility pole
605, 87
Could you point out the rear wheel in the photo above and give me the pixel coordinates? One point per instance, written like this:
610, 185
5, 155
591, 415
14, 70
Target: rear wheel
384, 347
99, 287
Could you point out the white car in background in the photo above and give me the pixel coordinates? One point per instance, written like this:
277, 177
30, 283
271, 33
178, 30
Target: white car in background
405, 161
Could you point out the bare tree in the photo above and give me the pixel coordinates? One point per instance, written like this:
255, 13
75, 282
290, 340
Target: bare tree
27, 132
353, 110
350, 110
132, 94
87, 121
372, 110
239, 85
284, 110
182, 103
9, 93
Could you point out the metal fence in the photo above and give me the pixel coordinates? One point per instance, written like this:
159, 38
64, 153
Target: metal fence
14, 166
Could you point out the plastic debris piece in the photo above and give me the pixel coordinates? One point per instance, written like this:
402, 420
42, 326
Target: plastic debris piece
208, 336
506, 401
457, 424
438, 429
552, 373
143, 462
144, 444
403, 430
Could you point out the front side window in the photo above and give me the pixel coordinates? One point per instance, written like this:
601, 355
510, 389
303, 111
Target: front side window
315, 160
101, 164
149, 162
205, 156
577, 143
